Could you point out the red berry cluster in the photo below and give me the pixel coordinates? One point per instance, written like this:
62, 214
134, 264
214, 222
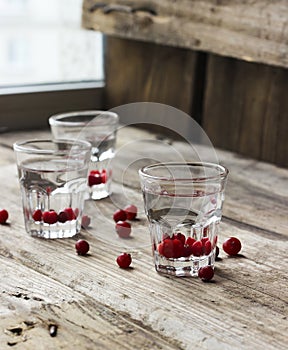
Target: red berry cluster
178, 246
231, 246
123, 228
97, 177
3, 216
51, 217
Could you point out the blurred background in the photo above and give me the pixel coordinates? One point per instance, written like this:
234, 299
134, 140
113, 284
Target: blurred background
42, 42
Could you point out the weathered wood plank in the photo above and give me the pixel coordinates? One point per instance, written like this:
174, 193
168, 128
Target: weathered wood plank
245, 108
249, 30
137, 71
95, 303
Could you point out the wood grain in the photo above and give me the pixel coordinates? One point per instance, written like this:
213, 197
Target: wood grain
137, 71
245, 108
97, 305
250, 30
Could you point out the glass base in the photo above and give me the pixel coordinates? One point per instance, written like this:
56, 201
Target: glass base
100, 191
99, 194
58, 230
182, 267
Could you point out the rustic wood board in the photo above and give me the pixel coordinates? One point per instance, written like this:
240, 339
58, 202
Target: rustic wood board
137, 71
97, 305
246, 108
250, 30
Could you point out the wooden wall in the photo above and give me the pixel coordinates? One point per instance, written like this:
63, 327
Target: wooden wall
242, 106
225, 63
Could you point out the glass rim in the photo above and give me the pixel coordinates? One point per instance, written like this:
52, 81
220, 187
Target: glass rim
222, 174
22, 146
59, 118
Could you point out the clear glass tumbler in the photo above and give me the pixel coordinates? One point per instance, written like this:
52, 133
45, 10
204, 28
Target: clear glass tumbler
100, 129
183, 203
53, 181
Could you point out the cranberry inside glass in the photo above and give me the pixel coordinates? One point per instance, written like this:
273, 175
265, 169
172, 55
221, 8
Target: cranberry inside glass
183, 202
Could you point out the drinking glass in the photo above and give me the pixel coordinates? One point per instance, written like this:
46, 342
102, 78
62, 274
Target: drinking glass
183, 203
53, 182
100, 129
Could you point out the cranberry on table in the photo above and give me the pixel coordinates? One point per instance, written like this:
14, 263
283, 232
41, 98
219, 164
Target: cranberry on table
119, 215
206, 273
131, 211
82, 247
232, 246
124, 260
86, 221
37, 215
123, 229
3, 216
50, 217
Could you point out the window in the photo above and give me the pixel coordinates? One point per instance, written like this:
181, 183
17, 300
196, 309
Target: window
47, 61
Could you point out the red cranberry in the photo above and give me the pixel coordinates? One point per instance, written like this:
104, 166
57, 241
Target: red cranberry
197, 248
62, 216
190, 241
206, 273
3, 216
204, 240
180, 236
123, 228
131, 211
206, 231
104, 176
178, 248
124, 260
119, 215
48, 190
94, 172
166, 248
50, 217
232, 246
187, 250
70, 213
37, 215
207, 247
94, 178
82, 247
76, 212
86, 221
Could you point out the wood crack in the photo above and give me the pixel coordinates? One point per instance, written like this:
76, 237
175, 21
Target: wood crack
250, 227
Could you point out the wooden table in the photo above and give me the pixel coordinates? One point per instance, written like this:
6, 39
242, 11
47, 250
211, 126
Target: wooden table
97, 305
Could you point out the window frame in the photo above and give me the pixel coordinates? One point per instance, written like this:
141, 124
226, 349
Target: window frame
24, 108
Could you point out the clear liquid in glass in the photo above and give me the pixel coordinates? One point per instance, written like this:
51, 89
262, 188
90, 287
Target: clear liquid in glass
196, 216
52, 185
